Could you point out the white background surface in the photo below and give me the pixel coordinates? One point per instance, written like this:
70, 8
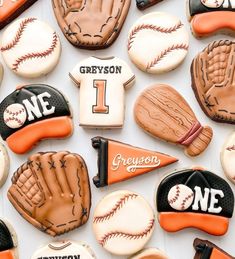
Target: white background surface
177, 245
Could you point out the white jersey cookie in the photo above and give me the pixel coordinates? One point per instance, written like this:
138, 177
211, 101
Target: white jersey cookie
150, 253
123, 222
158, 42
4, 164
102, 83
64, 250
228, 157
30, 48
1, 73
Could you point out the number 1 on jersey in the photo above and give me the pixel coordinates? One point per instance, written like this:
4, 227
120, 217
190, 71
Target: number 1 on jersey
100, 106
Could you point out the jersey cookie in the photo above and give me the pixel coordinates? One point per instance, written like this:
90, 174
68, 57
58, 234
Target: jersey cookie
102, 83
195, 198
119, 161
25, 113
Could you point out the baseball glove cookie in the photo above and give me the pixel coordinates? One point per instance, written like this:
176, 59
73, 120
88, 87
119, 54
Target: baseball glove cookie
213, 80
52, 192
143, 4
91, 24
161, 111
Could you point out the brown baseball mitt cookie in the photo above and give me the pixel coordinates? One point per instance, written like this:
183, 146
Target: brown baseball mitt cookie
91, 24
213, 80
52, 192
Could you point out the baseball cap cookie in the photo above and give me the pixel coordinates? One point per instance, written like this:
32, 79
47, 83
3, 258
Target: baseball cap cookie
194, 198
32, 113
65, 250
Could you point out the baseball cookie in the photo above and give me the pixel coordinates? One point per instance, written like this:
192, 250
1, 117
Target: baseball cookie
162, 112
1, 73
143, 4
91, 24
150, 253
194, 198
123, 222
8, 241
228, 158
102, 83
158, 43
10, 9
119, 161
5, 164
30, 48
28, 111
207, 250
211, 16
52, 192
212, 73
64, 250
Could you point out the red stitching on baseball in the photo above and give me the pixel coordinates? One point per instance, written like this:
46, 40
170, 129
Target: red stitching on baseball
117, 207
173, 200
116, 234
18, 34
185, 200
231, 148
166, 52
36, 55
151, 27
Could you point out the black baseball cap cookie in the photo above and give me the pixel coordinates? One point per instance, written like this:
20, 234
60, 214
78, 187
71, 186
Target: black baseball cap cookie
32, 113
195, 198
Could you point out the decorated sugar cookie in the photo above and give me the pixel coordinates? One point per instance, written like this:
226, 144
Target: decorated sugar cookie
119, 161
10, 9
102, 83
123, 222
8, 241
158, 43
212, 73
91, 24
194, 198
143, 4
208, 17
1, 73
161, 111
5, 163
150, 253
30, 47
64, 250
28, 111
52, 192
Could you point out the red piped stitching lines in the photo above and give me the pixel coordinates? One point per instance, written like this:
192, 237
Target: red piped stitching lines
173, 200
37, 54
165, 52
15, 113
185, 200
117, 207
116, 234
151, 27
19, 33
231, 148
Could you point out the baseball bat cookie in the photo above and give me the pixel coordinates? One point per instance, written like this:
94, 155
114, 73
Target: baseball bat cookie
123, 222
5, 164
143, 4
30, 48
208, 17
158, 43
150, 253
119, 161
8, 243
212, 73
28, 111
10, 9
52, 192
194, 198
162, 112
91, 24
64, 250
207, 250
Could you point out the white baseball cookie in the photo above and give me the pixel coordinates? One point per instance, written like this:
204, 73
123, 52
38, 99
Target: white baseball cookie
212, 3
158, 43
1, 73
180, 197
5, 164
150, 253
30, 48
64, 250
123, 222
227, 157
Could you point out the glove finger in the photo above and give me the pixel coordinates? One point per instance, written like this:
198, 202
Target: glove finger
97, 5
108, 6
117, 8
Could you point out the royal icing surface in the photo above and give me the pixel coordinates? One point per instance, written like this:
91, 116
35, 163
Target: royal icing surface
64, 250
150, 253
30, 48
1, 73
4, 162
123, 222
158, 42
102, 85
